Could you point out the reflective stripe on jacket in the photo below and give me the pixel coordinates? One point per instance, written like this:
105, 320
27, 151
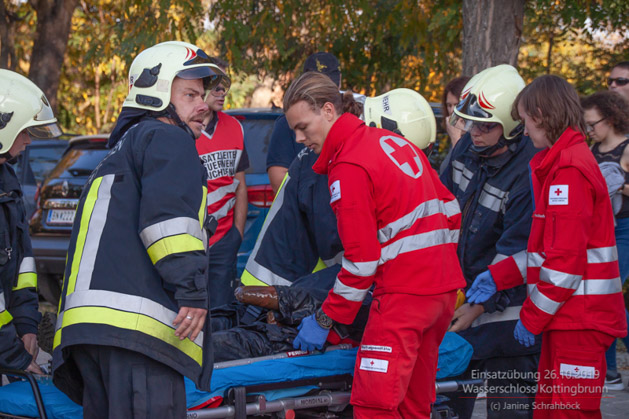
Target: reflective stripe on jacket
137, 254
220, 153
299, 230
495, 196
571, 260
403, 242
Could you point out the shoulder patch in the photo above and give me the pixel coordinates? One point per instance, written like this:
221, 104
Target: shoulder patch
558, 195
335, 191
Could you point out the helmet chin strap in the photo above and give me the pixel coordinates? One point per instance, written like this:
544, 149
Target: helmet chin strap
9, 158
488, 150
171, 113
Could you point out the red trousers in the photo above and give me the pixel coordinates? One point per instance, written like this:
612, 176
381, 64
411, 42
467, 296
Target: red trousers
395, 370
571, 374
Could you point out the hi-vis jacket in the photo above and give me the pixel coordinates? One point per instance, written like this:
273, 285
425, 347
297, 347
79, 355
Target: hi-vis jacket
18, 290
496, 205
403, 242
299, 230
571, 263
137, 255
220, 153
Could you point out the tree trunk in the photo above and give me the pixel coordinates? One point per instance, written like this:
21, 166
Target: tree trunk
7, 37
54, 18
491, 33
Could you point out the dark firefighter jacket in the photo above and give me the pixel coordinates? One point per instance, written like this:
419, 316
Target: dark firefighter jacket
496, 206
137, 255
18, 294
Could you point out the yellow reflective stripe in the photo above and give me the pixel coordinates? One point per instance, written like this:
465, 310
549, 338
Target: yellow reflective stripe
203, 208
5, 318
129, 321
174, 244
247, 279
26, 280
320, 265
88, 208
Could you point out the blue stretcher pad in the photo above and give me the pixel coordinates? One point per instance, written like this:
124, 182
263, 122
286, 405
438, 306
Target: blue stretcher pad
454, 356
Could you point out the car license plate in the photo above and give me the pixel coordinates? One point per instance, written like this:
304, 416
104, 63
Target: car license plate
61, 217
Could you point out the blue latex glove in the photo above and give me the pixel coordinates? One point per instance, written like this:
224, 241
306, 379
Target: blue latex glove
482, 288
522, 335
311, 336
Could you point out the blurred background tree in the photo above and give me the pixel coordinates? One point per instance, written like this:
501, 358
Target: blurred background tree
381, 44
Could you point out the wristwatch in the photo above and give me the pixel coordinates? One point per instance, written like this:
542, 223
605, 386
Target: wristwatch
323, 320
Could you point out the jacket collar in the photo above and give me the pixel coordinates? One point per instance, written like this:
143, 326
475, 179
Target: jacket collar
543, 161
341, 130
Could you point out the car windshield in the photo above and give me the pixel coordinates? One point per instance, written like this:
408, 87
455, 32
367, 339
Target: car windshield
255, 129
79, 162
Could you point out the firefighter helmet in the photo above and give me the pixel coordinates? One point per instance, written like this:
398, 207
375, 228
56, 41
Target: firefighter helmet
488, 97
405, 112
152, 73
23, 106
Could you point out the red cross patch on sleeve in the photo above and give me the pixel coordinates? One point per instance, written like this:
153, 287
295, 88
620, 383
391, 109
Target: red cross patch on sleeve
558, 195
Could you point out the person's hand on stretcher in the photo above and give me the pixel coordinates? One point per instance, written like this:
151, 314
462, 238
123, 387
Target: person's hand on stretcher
311, 334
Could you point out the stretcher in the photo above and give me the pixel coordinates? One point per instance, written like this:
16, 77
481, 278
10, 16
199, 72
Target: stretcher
315, 385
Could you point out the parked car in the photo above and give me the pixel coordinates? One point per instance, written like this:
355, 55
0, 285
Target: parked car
51, 224
34, 164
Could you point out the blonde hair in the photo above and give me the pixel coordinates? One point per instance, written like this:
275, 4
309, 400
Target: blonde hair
316, 89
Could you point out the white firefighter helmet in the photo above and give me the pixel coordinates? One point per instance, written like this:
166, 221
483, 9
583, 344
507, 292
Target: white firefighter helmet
404, 112
23, 106
488, 97
152, 73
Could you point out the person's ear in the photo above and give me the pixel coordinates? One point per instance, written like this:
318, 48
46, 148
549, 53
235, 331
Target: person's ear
329, 112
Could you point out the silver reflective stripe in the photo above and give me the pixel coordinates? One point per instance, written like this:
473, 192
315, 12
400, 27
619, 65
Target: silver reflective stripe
602, 254
124, 302
218, 194
172, 227
535, 260
95, 228
349, 293
599, 287
492, 197
461, 175
544, 303
559, 279
452, 208
27, 265
415, 242
360, 268
509, 314
3, 305
520, 260
336, 260
498, 258
222, 212
425, 209
454, 236
260, 272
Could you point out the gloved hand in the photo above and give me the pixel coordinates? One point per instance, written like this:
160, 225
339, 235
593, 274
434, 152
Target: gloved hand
522, 335
482, 288
311, 336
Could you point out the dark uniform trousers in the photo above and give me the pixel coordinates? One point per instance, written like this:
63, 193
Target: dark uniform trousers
119, 383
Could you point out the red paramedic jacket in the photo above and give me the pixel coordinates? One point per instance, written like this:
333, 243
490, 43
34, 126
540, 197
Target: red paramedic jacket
571, 262
398, 224
220, 153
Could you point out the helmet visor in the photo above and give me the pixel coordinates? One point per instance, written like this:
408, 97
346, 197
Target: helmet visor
51, 130
468, 125
471, 107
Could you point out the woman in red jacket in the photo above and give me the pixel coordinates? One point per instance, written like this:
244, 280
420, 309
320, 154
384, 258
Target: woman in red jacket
575, 293
399, 228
